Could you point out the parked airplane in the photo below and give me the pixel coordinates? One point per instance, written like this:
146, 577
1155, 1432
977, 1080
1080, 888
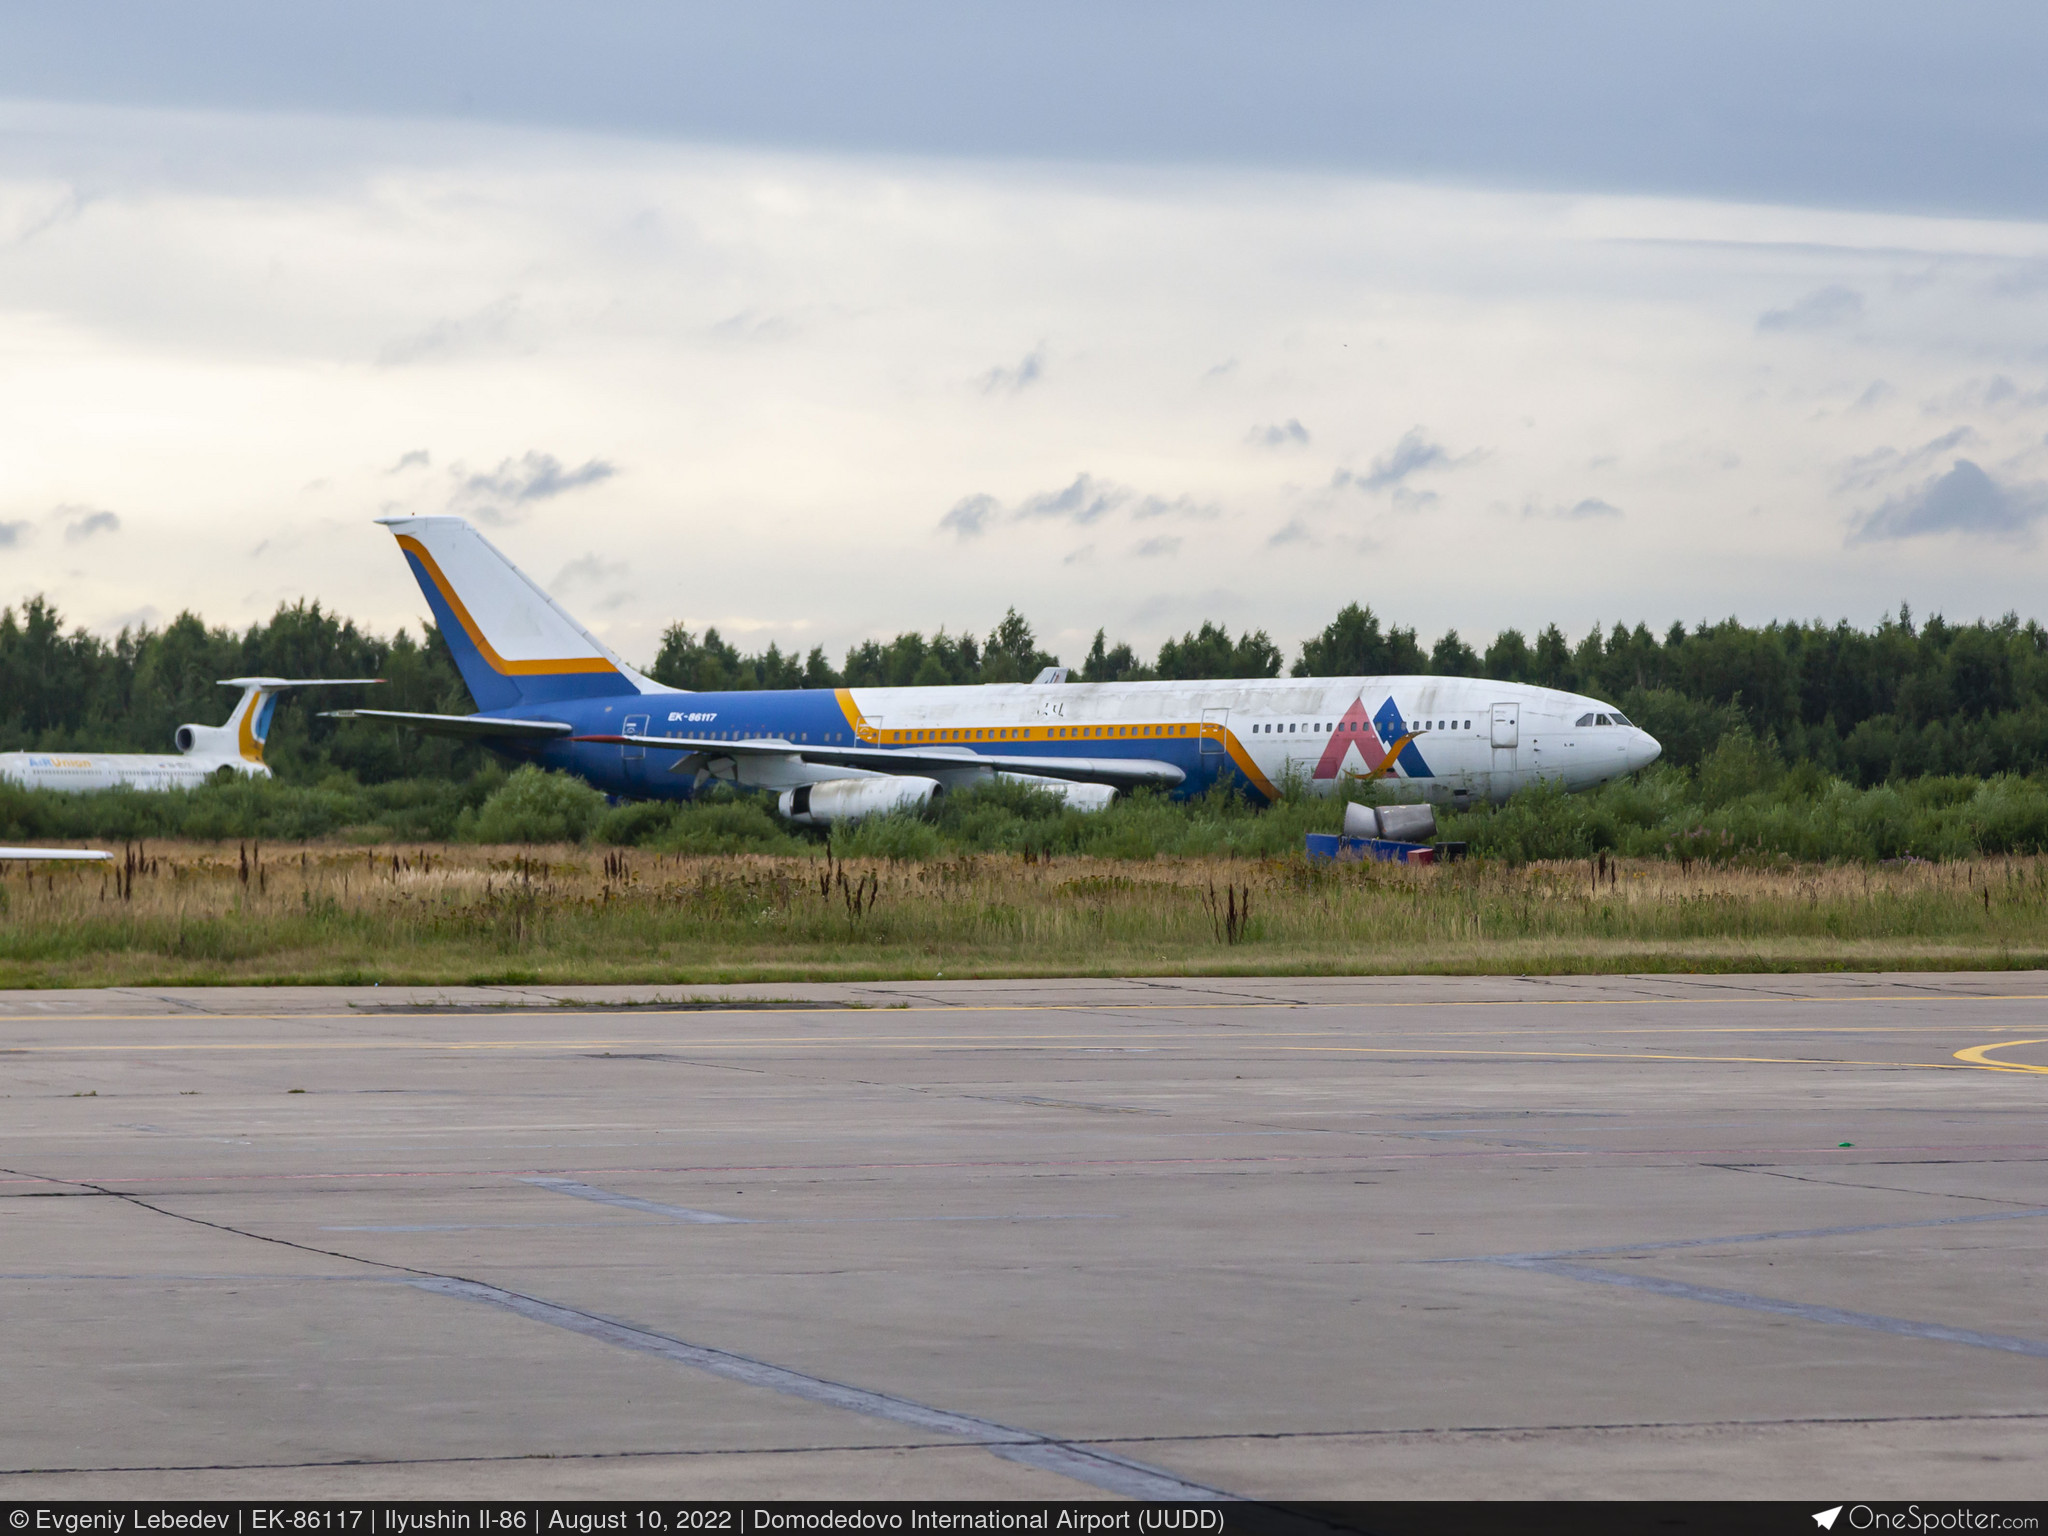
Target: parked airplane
549, 692
206, 749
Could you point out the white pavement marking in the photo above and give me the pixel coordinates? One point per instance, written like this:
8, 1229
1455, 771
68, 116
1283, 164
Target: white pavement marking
1097, 1468
1903, 1327
635, 1203
1751, 1237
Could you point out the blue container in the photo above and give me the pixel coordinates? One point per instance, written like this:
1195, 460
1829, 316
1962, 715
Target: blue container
1352, 850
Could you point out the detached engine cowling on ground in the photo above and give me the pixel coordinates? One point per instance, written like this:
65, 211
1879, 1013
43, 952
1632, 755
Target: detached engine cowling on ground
820, 805
1395, 823
1079, 797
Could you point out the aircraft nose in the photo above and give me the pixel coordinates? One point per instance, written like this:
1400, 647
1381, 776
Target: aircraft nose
1644, 750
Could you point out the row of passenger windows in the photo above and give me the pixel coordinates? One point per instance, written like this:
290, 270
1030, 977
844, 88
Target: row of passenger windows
800, 736
1096, 732
1612, 717
1056, 733
992, 733
1288, 728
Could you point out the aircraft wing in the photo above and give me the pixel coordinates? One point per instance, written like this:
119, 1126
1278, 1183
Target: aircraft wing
469, 727
1123, 772
68, 855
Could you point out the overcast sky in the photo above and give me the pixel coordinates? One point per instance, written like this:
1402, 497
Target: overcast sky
820, 321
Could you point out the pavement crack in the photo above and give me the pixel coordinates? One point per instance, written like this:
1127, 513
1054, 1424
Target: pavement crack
1889, 1189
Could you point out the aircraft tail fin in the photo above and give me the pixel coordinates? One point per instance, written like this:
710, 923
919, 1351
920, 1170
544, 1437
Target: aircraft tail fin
512, 643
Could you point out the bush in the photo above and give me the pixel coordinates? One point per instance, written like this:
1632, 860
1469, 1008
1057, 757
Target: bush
630, 826
727, 825
535, 806
899, 835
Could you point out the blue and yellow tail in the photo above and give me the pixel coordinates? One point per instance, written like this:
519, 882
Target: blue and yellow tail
512, 642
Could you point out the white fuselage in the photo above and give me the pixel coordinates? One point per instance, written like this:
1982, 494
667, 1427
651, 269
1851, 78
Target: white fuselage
82, 771
1459, 739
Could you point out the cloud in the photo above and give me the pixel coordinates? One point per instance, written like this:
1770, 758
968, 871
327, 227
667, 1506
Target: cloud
1085, 501
419, 458
591, 570
752, 325
1965, 500
1875, 395
1577, 512
82, 523
1868, 469
1288, 434
1010, 381
1984, 395
971, 516
1161, 548
1820, 310
520, 482
1413, 454
1408, 498
1082, 556
11, 534
1293, 531
1180, 506
148, 616
488, 327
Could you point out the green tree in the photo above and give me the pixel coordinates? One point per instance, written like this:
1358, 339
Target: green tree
1351, 645
1452, 657
1210, 652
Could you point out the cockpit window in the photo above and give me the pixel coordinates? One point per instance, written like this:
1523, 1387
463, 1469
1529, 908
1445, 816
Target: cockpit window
1602, 720
1584, 720
1621, 719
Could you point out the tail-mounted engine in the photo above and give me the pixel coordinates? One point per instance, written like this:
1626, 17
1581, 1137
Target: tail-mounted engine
204, 738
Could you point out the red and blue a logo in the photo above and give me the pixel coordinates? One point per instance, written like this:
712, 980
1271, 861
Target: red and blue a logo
1359, 746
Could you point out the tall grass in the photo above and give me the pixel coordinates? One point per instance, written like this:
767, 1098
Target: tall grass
190, 913
1740, 806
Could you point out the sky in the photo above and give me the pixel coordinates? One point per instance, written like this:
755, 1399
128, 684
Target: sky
817, 322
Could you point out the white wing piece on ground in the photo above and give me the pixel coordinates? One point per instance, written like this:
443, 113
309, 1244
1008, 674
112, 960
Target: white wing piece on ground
61, 855
1123, 772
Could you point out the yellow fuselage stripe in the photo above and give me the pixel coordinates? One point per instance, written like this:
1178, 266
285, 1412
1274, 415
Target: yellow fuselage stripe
1000, 735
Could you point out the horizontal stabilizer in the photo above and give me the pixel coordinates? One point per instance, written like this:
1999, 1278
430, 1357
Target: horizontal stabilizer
1123, 772
468, 727
275, 683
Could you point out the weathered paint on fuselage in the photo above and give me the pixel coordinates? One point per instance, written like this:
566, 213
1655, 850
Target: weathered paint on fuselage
1257, 732
83, 772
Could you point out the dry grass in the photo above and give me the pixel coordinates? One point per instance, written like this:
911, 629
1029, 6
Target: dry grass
201, 914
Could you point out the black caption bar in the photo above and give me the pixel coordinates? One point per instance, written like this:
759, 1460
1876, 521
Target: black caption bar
1080, 1517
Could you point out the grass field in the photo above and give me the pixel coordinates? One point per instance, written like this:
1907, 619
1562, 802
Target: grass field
212, 914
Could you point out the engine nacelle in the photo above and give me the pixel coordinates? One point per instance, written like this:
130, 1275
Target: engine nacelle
207, 738
836, 800
1395, 823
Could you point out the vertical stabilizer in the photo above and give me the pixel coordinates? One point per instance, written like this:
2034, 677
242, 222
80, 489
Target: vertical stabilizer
250, 722
512, 642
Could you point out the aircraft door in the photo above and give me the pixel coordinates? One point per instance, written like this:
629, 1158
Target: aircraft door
1507, 739
1214, 723
633, 752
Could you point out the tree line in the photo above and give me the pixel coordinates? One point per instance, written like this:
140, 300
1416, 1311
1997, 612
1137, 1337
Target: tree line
1899, 700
